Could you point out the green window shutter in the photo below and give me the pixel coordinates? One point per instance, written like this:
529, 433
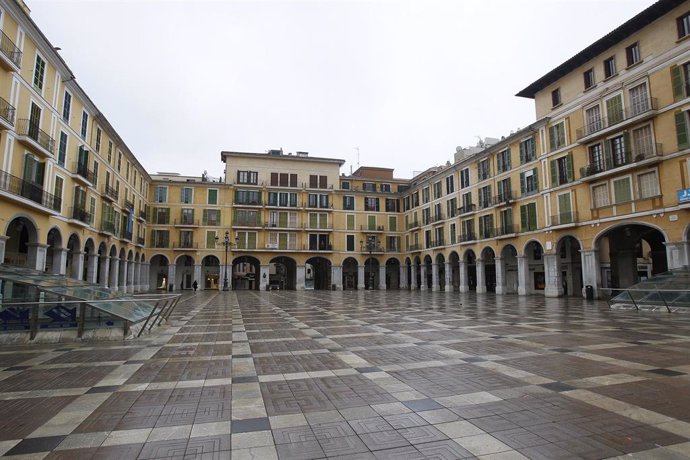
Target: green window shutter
536, 179
682, 131
677, 81
523, 218
532, 216
628, 146
507, 188
371, 220
313, 217
218, 221
283, 219
392, 223
210, 239
533, 148
508, 164
350, 222
323, 220
242, 240
570, 171
552, 138
608, 159
204, 217
282, 240
251, 240
523, 153
522, 183
554, 173
499, 188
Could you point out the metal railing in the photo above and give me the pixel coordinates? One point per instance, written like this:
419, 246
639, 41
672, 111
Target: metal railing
506, 229
81, 214
111, 192
84, 171
485, 203
371, 228
20, 187
627, 113
486, 233
437, 217
185, 245
9, 49
436, 243
468, 208
465, 237
32, 131
564, 218
414, 247
109, 227
413, 224
129, 205
143, 214
186, 221
140, 240
247, 222
504, 197
7, 111
614, 161
160, 244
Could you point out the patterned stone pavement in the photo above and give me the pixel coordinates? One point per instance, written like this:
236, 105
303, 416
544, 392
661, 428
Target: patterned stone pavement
360, 375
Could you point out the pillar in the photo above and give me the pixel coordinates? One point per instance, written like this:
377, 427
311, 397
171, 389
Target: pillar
624, 267
130, 276
3, 243
263, 277
105, 271
92, 268
146, 272
198, 276
413, 273
448, 277
523, 275
591, 271
554, 279
481, 276
403, 276
337, 276
500, 275
137, 277
36, 257
114, 273
59, 261
464, 284
300, 281
677, 254
435, 282
423, 286
360, 277
171, 277
123, 275
382, 277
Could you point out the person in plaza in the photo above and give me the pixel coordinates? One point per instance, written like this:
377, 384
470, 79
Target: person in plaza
195, 285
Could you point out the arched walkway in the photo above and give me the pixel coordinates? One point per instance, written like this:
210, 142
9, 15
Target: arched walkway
507, 271
438, 272
454, 265
371, 273
54, 252
211, 273
350, 273
534, 277
392, 273
486, 271
22, 248
282, 273
245, 273
317, 273
158, 272
75, 258
470, 260
184, 272
570, 266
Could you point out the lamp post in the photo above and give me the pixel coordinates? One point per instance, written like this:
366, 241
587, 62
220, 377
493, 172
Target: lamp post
227, 243
371, 245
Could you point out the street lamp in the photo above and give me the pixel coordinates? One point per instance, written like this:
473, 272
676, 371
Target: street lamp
371, 245
227, 243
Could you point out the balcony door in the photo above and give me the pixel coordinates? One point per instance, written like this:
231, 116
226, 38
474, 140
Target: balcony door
34, 121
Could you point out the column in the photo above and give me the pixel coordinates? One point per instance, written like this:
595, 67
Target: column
59, 261
360, 277
3, 243
137, 277
403, 275
263, 277
92, 268
677, 254
413, 273
171, 278
464, 284
382, 277
449, 277
624, 267
130, 276
123, 275
591, 271
37, 256
105, 271
337, 277
146, 268
523, 275
114, 273
300, 280
423, 286
554, 279
500, 275
481, 277
77, 265
198, 276
435, 282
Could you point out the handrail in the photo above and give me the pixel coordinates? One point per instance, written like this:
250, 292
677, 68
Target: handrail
9, 49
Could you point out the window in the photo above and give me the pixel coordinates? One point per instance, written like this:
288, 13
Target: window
161, 238
528, 217
415, 199
588, 76
639, 99
425, 195
345, 185
426, 216
95, 174
212, 196
682, 130
632, 54
528, 151
683, 24
556, 97
622, 192
66, 106
600, 195
485, 197
283, 199
160, 195
450, 184
557, 136
371, 222
562, 170
186, 195
248, 197
486, 226
247, 177
247, 218
316, 181
483, 169
642, 142
39, 73
453, 234
210, 239
528, 182
349, 202
110, 151
350, 243
648, 184
282, 219
385, 188
161, 216
392, 224
371, 203
452, 207
392, 205
619, 155
57, 191
317, 201
505, 192
465, 178
437, 190
62, 149
565, 210
211, 217
119, 161
369, 186
319, 242
596, 159
84, 125
246, 240
507, 222
503, 161
468, 230
350, 221
467, 205
318, 220
610, 67
614, 109
593, 121
187, 216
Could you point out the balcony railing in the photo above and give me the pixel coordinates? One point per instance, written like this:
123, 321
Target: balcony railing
10, 50
465, 237
415, 247
84, 171
7, 111
437, 218
614, 161
413, 224
185, 245
505, 197
276, 225
318, 226
109, 227
127, 235
371, 228
486, 233
601, 123
318, 247
505, 229
436, 243
247, 222
143, 214
81, 214
564, 218
20, 187
32, 131
110, 192
140, 240
468, 208
485, 203
160, 244
129, 205
248, 201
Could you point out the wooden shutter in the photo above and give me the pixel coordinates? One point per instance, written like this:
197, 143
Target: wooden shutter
682, 131
523, 155
523, 217
522, 183
204, 217
570, 171
274, 179
677, 82
323, 181
293, 180
536, 179
552, 138
554, 173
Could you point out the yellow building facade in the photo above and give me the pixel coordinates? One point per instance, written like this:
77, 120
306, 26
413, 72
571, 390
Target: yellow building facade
594, 193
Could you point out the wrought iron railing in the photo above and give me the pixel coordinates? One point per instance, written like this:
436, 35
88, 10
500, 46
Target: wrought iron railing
563, 218
84, 171
469, 236
81, 214
32, 131
9, 49
505, 229
504, 197
20, 187
111, 192
7, 111
613, 161
600, 123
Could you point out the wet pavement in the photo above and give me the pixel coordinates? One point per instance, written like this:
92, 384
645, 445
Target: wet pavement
359, 375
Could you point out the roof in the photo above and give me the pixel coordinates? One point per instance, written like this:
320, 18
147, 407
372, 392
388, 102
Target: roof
617, 35
282, 156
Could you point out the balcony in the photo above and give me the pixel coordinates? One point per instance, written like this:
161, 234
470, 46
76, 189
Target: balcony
160, 244
140, 241
185, 245
437, 218
109, 193
485, 233
594, 171
505, 230
279, 226
504, 198
129, 206
83, 174
143, 214
15, 186
436, 243
127, 235
80, 214
564, 218
318, 226
415, 247
248, 202
108, 227
29, 134
7, 112
281, 247
10, 55
603, 125
485, 203
372, 228
413, 224
318, 248
467, 237
252, 223
186, 222
468, 208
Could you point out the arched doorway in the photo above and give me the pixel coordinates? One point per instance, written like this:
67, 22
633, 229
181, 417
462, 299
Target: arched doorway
211, 267
75, 258
489, 261
441, 267
158, 272
535, 279
90, 262
350, 275
21, 248
454, 260
427, 272
54, 252
570, 264
630, 253
282, 273
184, 272
245, 273
509, 271
317, 273
392, 273
371, 273
471, 264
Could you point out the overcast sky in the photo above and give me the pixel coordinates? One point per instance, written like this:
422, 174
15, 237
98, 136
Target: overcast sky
405, 81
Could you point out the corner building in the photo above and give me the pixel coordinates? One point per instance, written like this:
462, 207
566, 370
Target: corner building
595, 192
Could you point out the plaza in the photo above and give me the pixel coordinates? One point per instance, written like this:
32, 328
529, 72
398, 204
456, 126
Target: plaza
359, 375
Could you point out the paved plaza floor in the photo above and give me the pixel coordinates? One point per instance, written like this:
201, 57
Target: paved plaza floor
359, 375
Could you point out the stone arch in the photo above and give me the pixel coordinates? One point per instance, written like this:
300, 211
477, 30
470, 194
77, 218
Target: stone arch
90, 261
569, 263
535, 276
350, 273
507, 271
470, 259
488, 267
371, 273
245, 273
317, 273
454, 260
54, 251
159, 272
21, 247
392, 273
282, 273
440, 261
184, 272
75, 257
417, 272
210, 266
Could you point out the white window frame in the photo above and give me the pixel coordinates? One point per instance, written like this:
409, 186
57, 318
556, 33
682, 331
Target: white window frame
606, 187
630, 184
45, 71
217, 196
653, 171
